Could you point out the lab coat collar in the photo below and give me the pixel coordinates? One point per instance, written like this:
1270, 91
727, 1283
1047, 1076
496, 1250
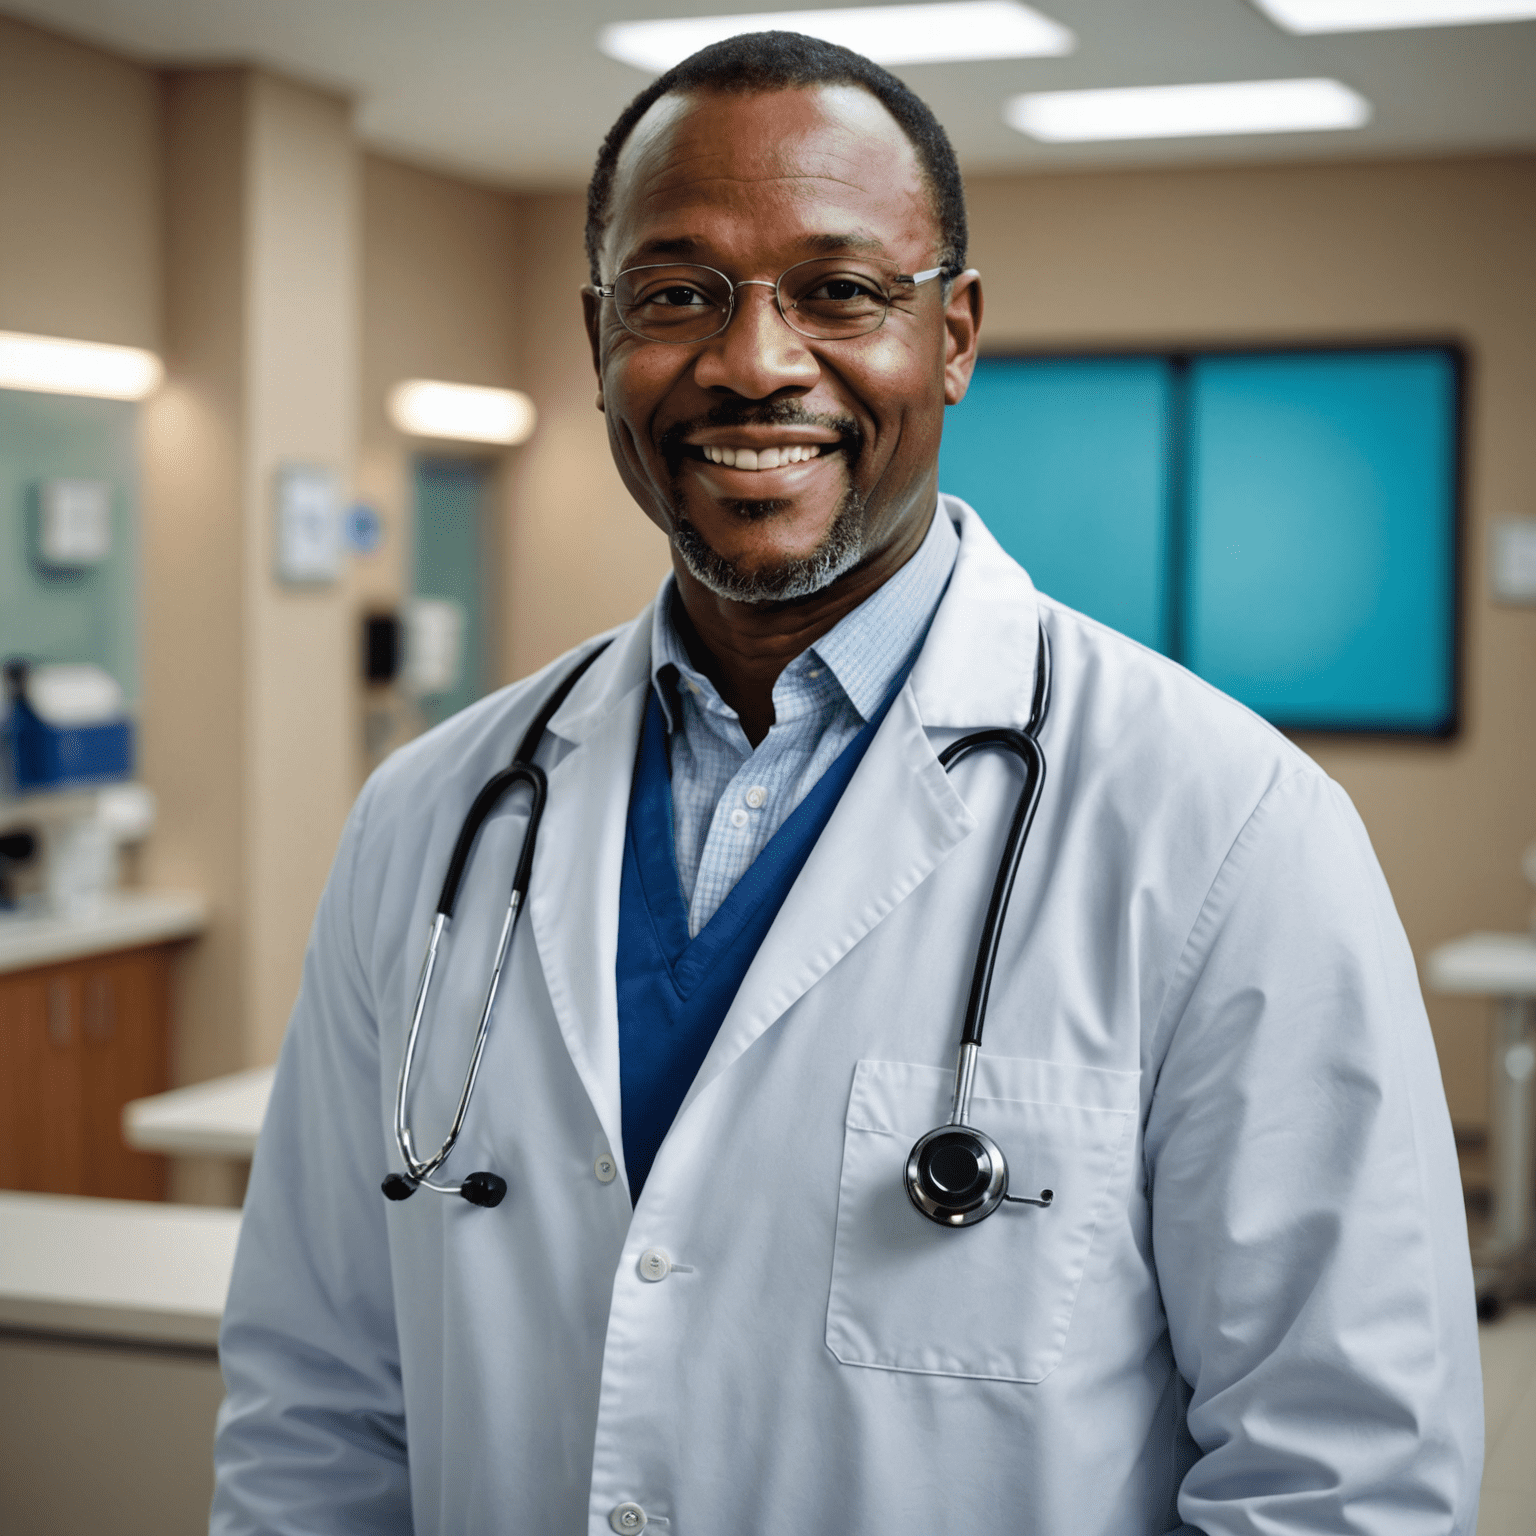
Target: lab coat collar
978, 666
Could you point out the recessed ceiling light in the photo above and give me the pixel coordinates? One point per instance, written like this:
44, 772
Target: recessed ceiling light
52, 365
465, 413
1388, 15
1183, 111
888, 34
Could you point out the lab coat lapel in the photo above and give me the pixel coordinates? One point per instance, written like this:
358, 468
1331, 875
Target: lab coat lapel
573, 904
900, 816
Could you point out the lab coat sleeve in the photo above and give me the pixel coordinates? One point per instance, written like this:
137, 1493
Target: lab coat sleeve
311, 1437
1307, 1220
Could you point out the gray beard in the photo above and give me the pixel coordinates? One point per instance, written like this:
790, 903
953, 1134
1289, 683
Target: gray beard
790, 580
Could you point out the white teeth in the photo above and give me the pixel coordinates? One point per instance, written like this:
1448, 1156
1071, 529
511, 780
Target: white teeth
761, 458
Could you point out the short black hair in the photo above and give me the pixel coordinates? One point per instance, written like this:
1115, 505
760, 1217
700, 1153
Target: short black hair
783, 61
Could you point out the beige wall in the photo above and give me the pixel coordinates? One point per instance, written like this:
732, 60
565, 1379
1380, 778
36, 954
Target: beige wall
583, 557
1280, 253
193, 722
300, 670
80, 209
438, 302
248, 715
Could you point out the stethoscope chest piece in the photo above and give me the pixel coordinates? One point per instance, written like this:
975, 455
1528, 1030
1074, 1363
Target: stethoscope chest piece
956, 1175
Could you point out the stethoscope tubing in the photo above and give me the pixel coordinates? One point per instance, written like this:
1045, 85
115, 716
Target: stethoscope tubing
479, 1188
1025, 746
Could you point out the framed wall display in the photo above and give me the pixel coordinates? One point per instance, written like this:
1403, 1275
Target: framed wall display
1284, 522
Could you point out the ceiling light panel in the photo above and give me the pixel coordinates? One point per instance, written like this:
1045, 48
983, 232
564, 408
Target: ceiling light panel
52, 365
1389, 15
889, 34
464, 413
1187, 111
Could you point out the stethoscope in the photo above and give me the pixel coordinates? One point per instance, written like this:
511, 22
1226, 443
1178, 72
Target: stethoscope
956, 1175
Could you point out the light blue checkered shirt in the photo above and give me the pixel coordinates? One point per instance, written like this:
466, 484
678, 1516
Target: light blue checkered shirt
729, 799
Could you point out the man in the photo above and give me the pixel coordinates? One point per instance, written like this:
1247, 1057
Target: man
706, 1303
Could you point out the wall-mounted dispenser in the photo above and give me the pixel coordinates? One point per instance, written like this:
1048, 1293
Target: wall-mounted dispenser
74, 524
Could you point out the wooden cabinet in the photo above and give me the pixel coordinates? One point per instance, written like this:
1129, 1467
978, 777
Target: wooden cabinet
78, 1040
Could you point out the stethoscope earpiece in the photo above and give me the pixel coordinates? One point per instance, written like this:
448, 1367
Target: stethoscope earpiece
482, 1189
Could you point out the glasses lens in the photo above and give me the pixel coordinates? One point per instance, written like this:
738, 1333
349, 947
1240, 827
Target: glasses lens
672, 303
836, 297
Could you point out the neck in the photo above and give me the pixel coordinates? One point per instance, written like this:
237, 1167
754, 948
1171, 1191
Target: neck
743, 647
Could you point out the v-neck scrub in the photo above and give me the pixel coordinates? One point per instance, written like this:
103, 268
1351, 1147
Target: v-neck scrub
674, 991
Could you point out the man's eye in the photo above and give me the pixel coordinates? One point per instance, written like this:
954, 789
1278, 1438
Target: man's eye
842, 290
675, 296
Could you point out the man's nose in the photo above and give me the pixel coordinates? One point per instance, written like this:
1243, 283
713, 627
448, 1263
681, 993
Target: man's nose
758, 353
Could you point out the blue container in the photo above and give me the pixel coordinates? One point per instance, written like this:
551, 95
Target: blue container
43, 756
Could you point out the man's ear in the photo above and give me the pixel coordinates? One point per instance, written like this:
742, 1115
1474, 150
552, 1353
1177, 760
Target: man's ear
962, 328
592, 313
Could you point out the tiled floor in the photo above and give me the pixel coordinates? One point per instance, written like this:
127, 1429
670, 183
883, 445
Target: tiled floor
1509, 1407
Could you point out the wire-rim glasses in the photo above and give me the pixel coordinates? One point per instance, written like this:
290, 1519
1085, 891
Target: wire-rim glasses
831, 298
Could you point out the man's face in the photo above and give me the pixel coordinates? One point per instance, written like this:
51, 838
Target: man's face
751, 185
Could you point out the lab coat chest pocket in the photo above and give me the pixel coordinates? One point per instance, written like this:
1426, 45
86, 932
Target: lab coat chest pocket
994, 1300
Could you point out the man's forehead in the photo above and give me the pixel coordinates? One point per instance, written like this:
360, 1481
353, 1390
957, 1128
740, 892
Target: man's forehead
832, 144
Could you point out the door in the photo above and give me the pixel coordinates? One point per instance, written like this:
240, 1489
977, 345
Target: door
451, 564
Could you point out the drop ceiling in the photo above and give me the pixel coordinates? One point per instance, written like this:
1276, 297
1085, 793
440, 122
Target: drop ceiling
518, 93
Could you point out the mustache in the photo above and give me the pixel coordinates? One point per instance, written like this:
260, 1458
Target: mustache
752, 413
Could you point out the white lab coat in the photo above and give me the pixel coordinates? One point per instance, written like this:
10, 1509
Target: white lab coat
1248, 1310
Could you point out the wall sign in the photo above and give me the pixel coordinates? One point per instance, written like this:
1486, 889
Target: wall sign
308, 542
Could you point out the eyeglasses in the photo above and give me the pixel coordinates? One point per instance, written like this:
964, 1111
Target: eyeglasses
832, 298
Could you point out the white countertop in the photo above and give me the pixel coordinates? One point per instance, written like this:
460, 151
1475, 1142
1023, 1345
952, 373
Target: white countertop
220, 1118
124, 920
1487, 964
115, 1269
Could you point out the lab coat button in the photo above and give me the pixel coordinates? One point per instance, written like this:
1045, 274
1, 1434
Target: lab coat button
757, 797
606, 1169
654, 1265
627, 1517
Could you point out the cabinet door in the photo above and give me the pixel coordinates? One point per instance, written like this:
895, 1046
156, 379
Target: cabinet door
77, 1042
40, 1142
124, 1004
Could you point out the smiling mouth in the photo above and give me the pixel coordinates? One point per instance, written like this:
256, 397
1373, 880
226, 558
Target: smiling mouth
762, 458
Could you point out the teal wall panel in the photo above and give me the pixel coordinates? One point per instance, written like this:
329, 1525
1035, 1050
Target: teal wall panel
1322, 583
1066, 461
78, 616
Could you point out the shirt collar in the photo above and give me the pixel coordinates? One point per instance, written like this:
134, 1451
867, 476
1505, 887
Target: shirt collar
863, 651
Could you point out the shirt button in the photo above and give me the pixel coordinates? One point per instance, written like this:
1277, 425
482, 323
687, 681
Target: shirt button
757, 797
738, 817
606, 1169
654, 1265
627, 1517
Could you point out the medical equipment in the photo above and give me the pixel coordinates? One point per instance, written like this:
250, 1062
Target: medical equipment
956, 1175
482, 1188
